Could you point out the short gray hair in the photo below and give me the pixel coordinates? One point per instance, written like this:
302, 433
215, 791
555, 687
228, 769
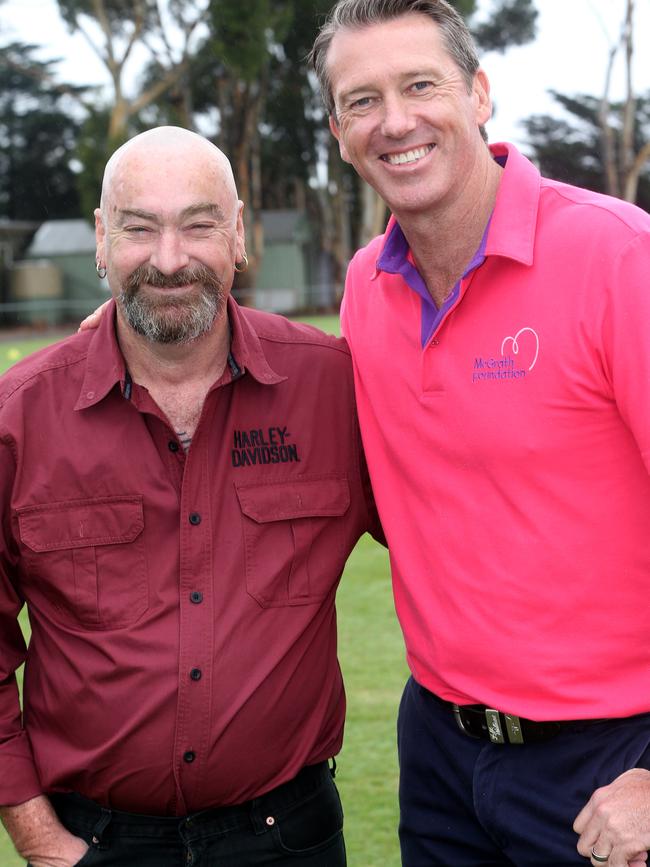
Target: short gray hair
360, 13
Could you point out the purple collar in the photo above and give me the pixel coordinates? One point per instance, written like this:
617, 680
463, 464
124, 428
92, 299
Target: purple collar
394, 260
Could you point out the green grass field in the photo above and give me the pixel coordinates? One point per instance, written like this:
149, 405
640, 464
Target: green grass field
372, 658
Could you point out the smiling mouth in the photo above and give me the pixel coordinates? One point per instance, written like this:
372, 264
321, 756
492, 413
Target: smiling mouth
411, 156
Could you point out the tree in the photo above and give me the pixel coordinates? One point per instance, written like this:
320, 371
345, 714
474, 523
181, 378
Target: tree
570, 148
122, 25
624, 157
37, 138
600, 144
114, 29
511, 22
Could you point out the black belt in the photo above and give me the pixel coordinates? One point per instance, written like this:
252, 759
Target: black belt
487, 723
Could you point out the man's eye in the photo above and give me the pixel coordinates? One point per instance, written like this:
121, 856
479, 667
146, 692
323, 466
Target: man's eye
422, 85
362, 102
136, 230
200, 227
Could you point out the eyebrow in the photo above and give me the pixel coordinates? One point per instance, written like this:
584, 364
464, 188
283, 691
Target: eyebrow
209, 208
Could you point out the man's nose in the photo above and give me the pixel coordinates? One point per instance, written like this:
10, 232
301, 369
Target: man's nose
169, 255
398, 119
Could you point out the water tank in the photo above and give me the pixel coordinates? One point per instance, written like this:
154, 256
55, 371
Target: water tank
37, 285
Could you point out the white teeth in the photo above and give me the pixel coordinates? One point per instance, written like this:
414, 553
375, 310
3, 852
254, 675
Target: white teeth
409, 156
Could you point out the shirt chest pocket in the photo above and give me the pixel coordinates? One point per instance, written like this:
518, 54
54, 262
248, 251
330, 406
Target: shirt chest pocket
85, 559
294, 539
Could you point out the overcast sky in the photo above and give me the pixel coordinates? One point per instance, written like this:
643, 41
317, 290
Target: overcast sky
569, 54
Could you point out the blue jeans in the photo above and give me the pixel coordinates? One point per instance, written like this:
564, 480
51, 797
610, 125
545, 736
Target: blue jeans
471, 803
300, 822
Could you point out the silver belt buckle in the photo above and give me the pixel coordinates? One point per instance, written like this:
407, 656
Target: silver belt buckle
494, 726
513, 727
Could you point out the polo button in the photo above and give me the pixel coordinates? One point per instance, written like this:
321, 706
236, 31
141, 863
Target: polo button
195, 518
172, 445
189, 756
270, 821
196, 597
196, 674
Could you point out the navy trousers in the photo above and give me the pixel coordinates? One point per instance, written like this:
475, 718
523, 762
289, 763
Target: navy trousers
299, 823
471, 803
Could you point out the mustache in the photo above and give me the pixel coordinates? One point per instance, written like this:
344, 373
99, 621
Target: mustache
153, 277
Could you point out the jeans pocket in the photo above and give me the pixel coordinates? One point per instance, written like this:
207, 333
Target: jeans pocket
313, 825
86, 859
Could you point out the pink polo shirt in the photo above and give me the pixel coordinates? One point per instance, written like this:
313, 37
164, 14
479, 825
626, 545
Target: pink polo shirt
508, 441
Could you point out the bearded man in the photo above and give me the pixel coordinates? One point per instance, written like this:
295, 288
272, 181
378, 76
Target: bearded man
181, 489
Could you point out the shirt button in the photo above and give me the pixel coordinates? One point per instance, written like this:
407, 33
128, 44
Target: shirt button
172, 446
195, 518
196, 597
196, 674
189, 756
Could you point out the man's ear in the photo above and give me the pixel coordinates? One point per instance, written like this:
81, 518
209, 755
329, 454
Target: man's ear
100, 235
241, 235
481, 90
336, 132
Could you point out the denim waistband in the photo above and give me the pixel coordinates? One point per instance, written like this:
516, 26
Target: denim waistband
260, 813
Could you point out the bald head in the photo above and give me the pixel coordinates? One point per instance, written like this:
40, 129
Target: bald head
160, 145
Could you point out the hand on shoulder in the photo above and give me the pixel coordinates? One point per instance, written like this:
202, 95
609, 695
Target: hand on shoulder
93, 319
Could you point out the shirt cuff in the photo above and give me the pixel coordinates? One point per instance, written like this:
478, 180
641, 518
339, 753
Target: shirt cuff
19, 780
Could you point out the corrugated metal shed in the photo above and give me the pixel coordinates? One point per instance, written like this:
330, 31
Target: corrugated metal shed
62, 237
70, 245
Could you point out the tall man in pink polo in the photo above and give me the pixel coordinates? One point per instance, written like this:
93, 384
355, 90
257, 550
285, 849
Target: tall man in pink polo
501, 342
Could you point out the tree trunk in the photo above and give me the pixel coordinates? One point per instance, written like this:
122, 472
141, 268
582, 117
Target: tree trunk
623, 165
373, 214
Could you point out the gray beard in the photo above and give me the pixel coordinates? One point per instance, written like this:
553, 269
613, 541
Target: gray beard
172, 319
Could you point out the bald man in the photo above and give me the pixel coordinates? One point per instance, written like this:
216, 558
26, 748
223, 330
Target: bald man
181, 489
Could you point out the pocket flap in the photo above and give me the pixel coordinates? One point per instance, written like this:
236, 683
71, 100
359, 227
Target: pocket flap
81, 523
298, 498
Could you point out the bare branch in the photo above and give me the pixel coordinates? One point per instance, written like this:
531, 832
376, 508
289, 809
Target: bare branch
152, 93
629, 108
104, 23
138, 28
606, 132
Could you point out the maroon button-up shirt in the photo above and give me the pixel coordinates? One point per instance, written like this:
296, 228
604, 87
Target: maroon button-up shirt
183, 650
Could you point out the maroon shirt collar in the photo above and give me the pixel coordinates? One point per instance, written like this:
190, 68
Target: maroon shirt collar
105, 367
